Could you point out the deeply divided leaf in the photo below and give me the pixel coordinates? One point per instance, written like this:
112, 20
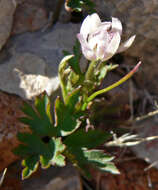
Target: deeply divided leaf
75, 60
67, 119
58, 158
39, 119
90, 139
101, 161
31, 165
79, 142
35, 150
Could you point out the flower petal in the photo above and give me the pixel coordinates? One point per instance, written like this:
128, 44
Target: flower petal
90, 24
102, 44
101, 50
86, 50
126, 44
105, 25
112, 47
116, 25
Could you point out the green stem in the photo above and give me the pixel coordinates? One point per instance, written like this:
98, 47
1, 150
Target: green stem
62, 67
90, 71
125, 78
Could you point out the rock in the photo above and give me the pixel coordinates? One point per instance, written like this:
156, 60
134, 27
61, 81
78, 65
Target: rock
120, 94
69, 182
147, 150
7, 9
9, 126
132, 176
26, 73
54, 178
66, 177
64, 16
31, 63
140, 18
29, 16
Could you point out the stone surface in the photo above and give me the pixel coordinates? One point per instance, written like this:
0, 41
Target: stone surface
9, 126
66, 177
29, 16
25, 75
132, 177
7, 9
30, 63
54, 178
140, 18
147, 150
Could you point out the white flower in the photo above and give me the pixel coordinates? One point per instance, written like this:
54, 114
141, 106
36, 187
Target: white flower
101, 40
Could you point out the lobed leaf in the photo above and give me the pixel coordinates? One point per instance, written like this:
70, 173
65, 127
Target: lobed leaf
100, 160
35, 151
67, 119
31, 165
58, 158
77, 5
90, 139
39, 119
110, 167
77, 145
75, 60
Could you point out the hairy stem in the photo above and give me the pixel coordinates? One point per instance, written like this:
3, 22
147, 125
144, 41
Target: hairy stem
125, 78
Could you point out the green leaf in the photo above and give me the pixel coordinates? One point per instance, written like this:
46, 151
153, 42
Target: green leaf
75, 60
35, 144
22, 151
39, 119
67, 119
28, 110
77, 5
72, 81
63, 74
97, 157
76, 156
58, 158
72, 99
110, 167
102, 73
31, 165
45, 159
100, 160
42, 105
90, 139
35, 150
77, 145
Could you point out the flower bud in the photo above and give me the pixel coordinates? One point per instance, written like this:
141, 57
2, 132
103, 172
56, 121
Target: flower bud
101, 40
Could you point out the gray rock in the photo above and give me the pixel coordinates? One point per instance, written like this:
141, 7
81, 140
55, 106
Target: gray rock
140, 18
29, 16
7, 9
71, 183
32, 60
54, 178
147, 150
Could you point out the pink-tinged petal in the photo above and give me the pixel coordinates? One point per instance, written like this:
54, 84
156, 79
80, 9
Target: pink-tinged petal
116, 25
112, 47
82, 41
105, 25
94, 39
86, 50
90, 24
101, 50
102, 44
126, 44
90, 55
